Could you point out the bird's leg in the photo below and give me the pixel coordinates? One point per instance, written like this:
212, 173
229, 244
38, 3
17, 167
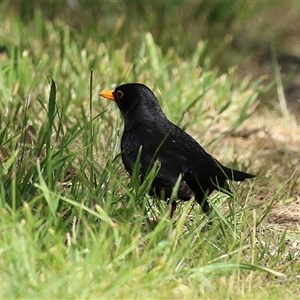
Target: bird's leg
172, 208
204, 203
206, 207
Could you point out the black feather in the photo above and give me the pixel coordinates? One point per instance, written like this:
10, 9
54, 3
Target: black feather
179, 154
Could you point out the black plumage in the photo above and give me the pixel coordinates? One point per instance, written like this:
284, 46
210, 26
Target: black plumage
146, 126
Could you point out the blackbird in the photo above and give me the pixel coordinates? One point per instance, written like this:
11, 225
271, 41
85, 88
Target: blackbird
147, 128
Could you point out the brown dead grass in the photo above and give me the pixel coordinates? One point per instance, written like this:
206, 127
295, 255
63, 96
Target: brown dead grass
275, 145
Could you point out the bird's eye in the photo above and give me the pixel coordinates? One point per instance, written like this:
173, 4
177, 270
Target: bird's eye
119, 95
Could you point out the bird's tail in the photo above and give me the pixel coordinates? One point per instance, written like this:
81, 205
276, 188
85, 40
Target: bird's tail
236, 175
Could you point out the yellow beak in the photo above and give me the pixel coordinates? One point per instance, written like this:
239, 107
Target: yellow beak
108, 94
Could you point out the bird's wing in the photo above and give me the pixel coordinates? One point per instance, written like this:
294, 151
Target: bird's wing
169, 171
197, 161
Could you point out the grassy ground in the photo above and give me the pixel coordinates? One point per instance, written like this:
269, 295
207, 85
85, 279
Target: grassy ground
72, 223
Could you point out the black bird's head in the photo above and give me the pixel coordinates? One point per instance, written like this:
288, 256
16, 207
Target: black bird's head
135, 101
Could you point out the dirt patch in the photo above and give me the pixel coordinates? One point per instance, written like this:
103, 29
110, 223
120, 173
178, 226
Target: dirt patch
275, 156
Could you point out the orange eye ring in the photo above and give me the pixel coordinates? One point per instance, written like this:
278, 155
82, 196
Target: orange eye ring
119, 95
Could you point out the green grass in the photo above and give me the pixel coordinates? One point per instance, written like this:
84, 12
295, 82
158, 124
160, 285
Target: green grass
74, 225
